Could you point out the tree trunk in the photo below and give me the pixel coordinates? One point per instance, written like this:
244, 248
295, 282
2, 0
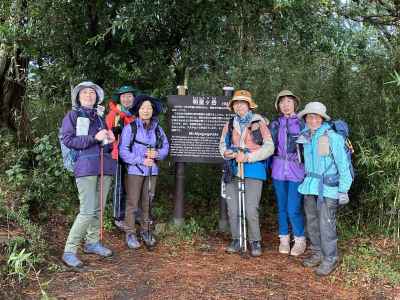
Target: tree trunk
13, 77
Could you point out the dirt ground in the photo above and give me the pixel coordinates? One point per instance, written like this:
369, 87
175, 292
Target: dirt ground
199, 271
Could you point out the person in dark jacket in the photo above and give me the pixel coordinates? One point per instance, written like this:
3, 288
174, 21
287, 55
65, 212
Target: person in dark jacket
84, 130
120, 114
141, 152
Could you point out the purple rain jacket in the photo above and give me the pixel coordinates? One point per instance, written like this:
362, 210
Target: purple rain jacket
88, 148
285, 161
134, 157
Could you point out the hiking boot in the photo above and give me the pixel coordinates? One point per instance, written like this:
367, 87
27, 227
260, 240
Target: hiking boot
233, 246
284, 246
148, 238
97, 248
326, 268
299, 246
313, 260
131, 241
255, 247
71, 260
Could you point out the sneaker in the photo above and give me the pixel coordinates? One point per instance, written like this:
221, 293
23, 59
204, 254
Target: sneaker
148, 238
233, 246
326, 268
313, 260
284, 246
255, 248
71, 260
299, 246
131, 241
97, 248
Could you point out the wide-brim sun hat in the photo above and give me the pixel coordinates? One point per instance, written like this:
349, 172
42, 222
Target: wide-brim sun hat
286, 93
155, 103
87, 84
124, 89
314, 108
242, 95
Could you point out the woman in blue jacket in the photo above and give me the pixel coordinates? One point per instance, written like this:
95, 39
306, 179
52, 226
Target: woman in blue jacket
326, 184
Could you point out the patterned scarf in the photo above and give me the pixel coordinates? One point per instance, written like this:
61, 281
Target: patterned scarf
244, 121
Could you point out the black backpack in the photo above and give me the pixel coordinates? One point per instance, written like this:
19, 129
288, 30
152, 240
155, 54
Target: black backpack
159, 137
255, 133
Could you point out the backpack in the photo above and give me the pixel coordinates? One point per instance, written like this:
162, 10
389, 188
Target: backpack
257, 139
159, 137
292, 146
158, 145
342, 128
70, 155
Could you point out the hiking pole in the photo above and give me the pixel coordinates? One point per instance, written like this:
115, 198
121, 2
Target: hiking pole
116, 190
242, 211
101, 189
150, 245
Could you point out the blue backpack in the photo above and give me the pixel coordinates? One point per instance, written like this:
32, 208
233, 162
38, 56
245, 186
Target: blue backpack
342, 128
69, 155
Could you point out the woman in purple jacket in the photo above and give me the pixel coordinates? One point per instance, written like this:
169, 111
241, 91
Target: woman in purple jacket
288, 173
83, 130
143, 143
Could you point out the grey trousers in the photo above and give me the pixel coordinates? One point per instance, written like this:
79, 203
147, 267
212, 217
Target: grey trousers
87, 223
321, 226
137, 191
253, 188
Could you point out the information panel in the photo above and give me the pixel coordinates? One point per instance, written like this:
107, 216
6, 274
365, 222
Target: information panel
196, 123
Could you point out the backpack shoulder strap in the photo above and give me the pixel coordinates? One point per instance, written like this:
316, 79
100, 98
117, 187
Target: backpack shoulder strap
302, 124
254, 122
159, 137
273, 128
230, 125
228, 137
133, 134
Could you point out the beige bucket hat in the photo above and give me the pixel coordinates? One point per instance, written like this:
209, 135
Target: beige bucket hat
314, 108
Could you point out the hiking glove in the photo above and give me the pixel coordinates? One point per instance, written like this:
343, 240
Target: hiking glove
343, 198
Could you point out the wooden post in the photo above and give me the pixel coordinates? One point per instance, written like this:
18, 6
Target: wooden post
180, 179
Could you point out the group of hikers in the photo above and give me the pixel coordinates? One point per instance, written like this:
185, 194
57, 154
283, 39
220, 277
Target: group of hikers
126, 144
306, 156
310, 170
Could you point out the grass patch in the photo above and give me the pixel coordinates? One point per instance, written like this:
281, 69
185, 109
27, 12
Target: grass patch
371, 262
